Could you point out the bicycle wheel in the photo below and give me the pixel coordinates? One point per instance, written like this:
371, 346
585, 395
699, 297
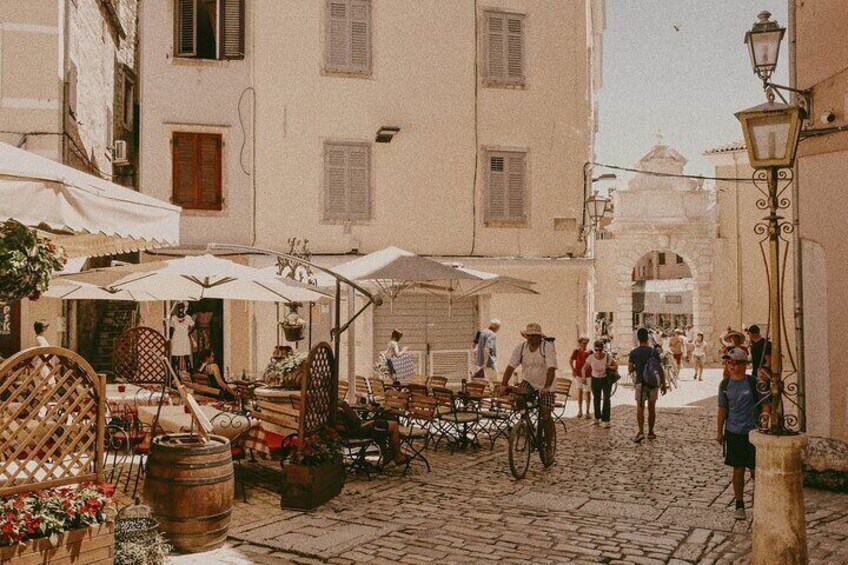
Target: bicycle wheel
548, 456
520, 446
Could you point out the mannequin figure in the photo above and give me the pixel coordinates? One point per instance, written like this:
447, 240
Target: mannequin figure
180, 334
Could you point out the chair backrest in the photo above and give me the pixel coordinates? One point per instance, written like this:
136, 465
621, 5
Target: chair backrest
420, 380
415, 388
475, 390
437, 382
422, 407
378, 389
343, 388
396, 402
363, 388
443, 396
563, 386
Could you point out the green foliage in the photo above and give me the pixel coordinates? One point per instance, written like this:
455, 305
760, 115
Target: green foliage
27, 262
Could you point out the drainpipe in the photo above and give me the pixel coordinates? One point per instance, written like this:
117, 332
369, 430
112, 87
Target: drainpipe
796, 244
738, 241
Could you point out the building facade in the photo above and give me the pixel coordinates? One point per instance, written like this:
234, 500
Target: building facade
68, 71
456, 130
819, 62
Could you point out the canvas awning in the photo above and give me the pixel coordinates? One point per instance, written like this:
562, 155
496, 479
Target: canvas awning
85, 214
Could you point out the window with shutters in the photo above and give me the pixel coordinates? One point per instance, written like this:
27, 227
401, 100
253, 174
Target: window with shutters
504, 37
506, 188
347, 181
347, 37
196, 162
209, 29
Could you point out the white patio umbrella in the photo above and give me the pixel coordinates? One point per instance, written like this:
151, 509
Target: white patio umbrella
195, 278
76, 290
488, 283
85, 214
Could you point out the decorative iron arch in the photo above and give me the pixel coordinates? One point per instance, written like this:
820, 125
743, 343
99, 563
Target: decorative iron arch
52, 420
137, 356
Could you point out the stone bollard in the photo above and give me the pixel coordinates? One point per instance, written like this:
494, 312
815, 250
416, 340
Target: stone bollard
779, 529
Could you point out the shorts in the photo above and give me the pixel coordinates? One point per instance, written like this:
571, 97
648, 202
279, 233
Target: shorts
650, 394
699, 357
678, 357
579, 384
738, 450
546, 400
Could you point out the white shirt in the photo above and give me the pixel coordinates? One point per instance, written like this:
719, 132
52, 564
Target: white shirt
392, 351
598, 366
534, 364
41, 341
180, 342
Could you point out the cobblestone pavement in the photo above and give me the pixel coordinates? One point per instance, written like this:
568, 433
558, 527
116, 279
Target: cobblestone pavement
606, 500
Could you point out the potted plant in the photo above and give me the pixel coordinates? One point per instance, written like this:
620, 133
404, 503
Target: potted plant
313, 471
59, 523
293, 325
27, 262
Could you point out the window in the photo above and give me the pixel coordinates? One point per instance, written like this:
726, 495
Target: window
506, 187
661, 258
348, 36
197, 170
679, 259
209, 29
347, 181
127, 99
504, 36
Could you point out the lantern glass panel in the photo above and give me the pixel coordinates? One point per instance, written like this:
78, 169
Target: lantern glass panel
764, 49
770, 136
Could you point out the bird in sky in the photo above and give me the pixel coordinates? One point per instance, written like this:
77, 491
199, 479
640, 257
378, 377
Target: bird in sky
676, 28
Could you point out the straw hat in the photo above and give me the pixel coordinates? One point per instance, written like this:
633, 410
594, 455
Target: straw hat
533, 329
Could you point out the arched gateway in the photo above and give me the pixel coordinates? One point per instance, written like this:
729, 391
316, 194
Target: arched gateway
674, 217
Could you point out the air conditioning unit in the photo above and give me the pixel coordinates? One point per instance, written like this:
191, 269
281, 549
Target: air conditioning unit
119, 153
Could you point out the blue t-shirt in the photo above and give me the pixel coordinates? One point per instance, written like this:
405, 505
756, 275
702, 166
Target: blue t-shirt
487, 339
741, 406
639, 357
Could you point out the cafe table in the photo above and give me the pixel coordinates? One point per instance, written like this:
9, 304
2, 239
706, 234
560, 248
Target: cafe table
120, 397
174, 419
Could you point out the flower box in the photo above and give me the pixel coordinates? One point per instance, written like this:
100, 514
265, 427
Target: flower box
308, 487
94, 545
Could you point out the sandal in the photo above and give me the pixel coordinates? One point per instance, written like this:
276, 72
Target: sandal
652, 436
640, 437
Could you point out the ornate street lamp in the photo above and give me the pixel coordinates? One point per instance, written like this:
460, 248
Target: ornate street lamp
764, 45
597, 207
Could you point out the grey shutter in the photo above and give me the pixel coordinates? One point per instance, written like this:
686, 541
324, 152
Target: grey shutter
516, 191
496, 190
232, 29
185, 18
360, 35
495, 40
338, 35
335, 181
515, 49
359, 201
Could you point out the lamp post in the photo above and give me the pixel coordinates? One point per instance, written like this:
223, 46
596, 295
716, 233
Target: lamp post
772, 131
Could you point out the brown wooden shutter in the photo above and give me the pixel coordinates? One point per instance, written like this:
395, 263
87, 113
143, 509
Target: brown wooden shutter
516, 187
232, 29
495, 40
335, 181
185, 24
515, 49
182, 156
360, 35
209, 174
496, 193
338, 35
359, 201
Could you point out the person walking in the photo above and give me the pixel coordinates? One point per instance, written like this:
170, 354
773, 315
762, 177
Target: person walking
596, 368
393, 351
676, 344
699, 356
732, 340
739, 407
580, 381
637, 361
487, 352
760, 350
40, 328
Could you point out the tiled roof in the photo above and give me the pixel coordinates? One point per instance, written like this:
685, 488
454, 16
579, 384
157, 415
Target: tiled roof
726, 148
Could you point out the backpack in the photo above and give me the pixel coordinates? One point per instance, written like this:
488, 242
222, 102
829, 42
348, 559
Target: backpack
752, 383
541, 350
653, 375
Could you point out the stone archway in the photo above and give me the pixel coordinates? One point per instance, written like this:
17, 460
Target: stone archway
698, 255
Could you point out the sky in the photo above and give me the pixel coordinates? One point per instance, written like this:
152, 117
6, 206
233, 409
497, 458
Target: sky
686, 84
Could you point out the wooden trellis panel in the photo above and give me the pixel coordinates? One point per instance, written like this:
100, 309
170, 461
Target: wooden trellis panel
319, 391
137, 356
52, 420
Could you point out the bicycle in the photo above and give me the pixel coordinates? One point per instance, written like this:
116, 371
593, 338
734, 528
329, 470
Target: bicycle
526, 436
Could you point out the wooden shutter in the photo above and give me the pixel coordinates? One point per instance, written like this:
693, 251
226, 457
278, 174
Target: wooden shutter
208, 190
335, 181
496, 196
360, 35
232, 29
515, 49
182, 156
359, 201
185, 24
495, 40
338, 35
516, 199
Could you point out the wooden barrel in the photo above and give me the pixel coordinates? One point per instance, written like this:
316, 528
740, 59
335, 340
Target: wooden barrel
189, 486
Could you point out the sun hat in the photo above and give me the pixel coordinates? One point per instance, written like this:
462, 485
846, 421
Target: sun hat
583, 339
533, 329
736, 354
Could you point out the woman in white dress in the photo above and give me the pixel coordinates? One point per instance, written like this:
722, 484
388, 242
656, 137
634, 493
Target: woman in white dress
393, 351
181, 348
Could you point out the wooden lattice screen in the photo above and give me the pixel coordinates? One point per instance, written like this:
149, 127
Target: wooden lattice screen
137, 356
319, 391
52, 420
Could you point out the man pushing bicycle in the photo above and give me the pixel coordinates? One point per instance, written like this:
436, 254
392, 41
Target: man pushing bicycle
538, 361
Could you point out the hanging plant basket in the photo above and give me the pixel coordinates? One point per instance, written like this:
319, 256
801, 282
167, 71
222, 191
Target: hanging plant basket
294, 333
27, 262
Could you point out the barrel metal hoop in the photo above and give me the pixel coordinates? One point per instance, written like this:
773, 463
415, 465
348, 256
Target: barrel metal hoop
192, 482
212, 518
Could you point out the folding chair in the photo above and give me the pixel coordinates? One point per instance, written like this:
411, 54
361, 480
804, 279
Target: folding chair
421, 413
494, 419
456, 423
362, 388
563, 387
343, 388
378, 389
437, 382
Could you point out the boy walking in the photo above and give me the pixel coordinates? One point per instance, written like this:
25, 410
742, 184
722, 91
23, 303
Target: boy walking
739, 404
637, 362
